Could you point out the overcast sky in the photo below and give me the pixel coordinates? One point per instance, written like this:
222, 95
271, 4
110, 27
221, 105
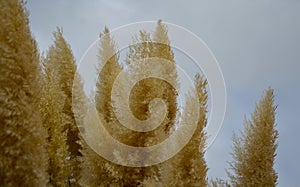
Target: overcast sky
257, 44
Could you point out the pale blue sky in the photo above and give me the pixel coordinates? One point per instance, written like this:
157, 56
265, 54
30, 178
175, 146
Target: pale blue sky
257, 44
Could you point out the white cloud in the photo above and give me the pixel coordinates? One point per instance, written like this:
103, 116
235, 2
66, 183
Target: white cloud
256, 42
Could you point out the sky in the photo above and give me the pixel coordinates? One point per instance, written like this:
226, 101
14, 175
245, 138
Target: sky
257, 45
